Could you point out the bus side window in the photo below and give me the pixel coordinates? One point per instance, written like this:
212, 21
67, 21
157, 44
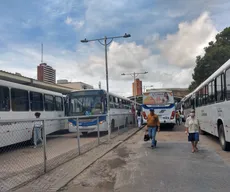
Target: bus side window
4, 99
227, 76
20, 100
219, 88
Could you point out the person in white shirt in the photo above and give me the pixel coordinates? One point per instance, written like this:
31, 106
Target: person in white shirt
139, 119
192, 129
37, 130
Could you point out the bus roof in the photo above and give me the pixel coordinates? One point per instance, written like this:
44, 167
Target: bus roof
158, 90
27, 88
225, 66
115, 95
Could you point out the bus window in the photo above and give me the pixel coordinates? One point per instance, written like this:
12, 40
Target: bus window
4, 99
227, 76
58, 104
20, 100
49, 102
219, 88
36, 101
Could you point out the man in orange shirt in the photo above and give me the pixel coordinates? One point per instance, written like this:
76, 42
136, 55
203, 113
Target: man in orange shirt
153, 124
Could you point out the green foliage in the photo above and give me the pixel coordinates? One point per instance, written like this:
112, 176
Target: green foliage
216, 54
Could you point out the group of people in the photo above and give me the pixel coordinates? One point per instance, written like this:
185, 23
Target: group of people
191, 125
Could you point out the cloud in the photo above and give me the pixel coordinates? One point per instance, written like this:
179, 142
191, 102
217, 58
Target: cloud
181, 48
74, 23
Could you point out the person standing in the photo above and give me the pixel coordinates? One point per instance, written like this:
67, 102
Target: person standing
153, 124
139, 119
177, 118
192, 130
37, 130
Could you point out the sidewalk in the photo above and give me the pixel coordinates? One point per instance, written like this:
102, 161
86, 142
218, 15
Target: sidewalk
57, 178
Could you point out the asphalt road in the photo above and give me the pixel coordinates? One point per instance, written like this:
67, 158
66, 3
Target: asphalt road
135, 167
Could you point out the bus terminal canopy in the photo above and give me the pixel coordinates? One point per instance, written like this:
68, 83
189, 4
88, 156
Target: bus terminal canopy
32, 82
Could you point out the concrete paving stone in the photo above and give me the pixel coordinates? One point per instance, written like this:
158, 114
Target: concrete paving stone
61, 175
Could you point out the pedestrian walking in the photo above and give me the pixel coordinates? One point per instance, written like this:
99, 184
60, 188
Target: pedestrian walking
192, 130
37, 130
139, 119
153, 125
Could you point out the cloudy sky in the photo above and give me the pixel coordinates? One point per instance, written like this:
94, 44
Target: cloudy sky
166, 37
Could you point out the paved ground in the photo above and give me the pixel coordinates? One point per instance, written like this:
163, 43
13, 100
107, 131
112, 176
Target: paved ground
61, 175
134, 166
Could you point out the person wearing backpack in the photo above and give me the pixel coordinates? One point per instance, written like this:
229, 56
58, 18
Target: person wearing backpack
153, 125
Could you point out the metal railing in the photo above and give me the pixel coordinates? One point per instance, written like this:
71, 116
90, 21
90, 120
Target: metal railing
21, 161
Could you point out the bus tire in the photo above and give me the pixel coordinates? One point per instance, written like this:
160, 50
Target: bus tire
224, 144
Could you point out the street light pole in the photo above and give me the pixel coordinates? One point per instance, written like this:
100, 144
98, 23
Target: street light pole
134, 75
105, 44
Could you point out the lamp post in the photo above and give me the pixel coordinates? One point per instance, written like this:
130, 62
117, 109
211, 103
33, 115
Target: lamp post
134, 75
105, 44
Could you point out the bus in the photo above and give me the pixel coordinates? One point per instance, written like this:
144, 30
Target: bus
162, 101
187, 103
211, 100
93, 102
19, 101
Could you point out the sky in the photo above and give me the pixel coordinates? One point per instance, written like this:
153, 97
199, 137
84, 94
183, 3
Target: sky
166, 37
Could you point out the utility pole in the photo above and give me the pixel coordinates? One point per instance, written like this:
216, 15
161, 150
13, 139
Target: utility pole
134, 75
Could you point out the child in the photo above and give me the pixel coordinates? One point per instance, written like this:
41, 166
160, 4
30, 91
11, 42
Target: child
37, 129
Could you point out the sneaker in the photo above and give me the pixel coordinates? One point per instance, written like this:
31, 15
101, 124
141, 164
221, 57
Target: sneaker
35, 147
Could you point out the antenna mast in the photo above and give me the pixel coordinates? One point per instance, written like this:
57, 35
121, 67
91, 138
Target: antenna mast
42, 53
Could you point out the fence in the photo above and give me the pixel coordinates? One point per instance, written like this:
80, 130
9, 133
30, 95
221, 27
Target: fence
21, 161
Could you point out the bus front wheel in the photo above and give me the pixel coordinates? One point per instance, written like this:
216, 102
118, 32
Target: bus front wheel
224, 144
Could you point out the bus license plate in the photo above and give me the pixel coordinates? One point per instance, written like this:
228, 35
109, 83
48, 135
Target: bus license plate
165, 117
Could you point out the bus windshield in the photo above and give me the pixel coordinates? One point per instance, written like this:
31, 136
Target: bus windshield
158, 98
86, 105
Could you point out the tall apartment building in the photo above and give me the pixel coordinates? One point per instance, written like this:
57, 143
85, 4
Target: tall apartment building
46, 73
137, 87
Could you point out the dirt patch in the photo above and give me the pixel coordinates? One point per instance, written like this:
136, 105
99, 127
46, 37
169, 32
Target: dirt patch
116, 162
122, 152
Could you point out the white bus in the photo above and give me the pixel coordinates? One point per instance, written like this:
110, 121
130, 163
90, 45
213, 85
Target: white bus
93, 102
19, 101
212, 105
162, 101
188, 103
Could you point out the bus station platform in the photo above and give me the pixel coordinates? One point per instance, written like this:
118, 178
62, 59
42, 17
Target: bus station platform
129, 164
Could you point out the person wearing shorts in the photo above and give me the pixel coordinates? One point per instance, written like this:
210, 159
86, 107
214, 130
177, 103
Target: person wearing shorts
192, 129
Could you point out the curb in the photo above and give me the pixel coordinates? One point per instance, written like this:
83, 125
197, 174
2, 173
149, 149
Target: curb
102, 155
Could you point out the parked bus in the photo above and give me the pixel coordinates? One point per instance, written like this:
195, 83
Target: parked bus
19, 101
212, 105
162, 101
187, 103
93, 102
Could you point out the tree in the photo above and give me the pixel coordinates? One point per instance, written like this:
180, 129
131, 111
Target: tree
216, 54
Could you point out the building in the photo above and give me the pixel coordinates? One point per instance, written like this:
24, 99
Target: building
137, 87
46, 73
74, 85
